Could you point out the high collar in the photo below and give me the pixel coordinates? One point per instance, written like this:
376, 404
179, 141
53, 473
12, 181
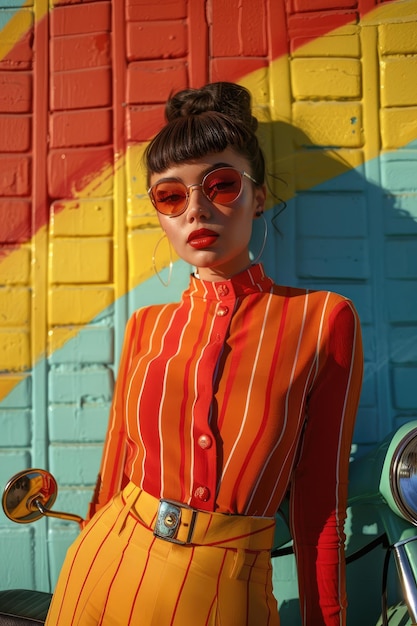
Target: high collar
249, 281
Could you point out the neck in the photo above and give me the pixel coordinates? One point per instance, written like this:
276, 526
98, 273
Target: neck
218, 277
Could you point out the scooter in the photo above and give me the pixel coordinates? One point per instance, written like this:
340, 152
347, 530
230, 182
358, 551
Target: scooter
384, 480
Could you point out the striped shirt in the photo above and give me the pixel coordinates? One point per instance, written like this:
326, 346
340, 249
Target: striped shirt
233, 396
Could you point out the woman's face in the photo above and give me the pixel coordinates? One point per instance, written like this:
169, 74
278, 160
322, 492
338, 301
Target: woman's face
213, 237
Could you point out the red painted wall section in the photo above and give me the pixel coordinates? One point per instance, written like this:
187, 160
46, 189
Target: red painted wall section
80, 96
239, 42
15, 143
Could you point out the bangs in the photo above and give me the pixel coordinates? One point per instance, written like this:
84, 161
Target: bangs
193, 137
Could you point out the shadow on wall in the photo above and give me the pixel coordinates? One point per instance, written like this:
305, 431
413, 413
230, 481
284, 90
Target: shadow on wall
342, 232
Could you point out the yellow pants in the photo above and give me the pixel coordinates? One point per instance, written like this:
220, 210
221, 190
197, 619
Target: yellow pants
117, 573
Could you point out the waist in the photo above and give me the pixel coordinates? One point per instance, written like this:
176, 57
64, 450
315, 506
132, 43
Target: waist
178, 523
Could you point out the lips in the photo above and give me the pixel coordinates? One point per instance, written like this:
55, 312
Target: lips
202, 238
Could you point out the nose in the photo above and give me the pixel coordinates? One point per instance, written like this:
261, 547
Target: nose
198, 204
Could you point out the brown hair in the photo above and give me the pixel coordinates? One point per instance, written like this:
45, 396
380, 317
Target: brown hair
206, 121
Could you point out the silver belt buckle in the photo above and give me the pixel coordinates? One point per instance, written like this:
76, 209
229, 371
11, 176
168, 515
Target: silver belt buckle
168, 521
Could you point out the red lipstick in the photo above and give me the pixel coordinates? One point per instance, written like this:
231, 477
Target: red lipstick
202, 238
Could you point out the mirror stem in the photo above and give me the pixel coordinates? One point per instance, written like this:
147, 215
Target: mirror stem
66, 516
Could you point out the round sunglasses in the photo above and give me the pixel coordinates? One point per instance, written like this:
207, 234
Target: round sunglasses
170, 196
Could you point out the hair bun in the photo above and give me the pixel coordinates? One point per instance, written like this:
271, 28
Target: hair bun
226, 98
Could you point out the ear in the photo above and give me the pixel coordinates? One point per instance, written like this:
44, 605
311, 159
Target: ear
259, 201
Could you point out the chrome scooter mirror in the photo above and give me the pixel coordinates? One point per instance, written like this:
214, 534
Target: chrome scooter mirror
24, 490
30, 495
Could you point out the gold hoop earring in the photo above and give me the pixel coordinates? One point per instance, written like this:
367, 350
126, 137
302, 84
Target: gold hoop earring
261, 214
155, 269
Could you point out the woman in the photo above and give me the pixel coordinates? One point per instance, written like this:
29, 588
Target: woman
224, 401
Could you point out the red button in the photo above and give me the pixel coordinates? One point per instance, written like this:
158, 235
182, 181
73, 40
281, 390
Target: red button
222, 290
222, 311
202, 493
204, 441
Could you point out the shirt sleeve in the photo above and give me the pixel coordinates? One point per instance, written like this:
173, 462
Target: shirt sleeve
320, 480
112, 476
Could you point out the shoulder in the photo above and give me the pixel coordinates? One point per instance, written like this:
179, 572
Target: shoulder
327, 300
146, 322
150, 314
332, 319
326, 310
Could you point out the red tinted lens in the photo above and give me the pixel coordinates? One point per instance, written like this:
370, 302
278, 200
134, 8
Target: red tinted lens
223, 185
169, 197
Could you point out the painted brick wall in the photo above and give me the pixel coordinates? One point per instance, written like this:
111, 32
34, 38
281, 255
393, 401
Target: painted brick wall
82, 88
